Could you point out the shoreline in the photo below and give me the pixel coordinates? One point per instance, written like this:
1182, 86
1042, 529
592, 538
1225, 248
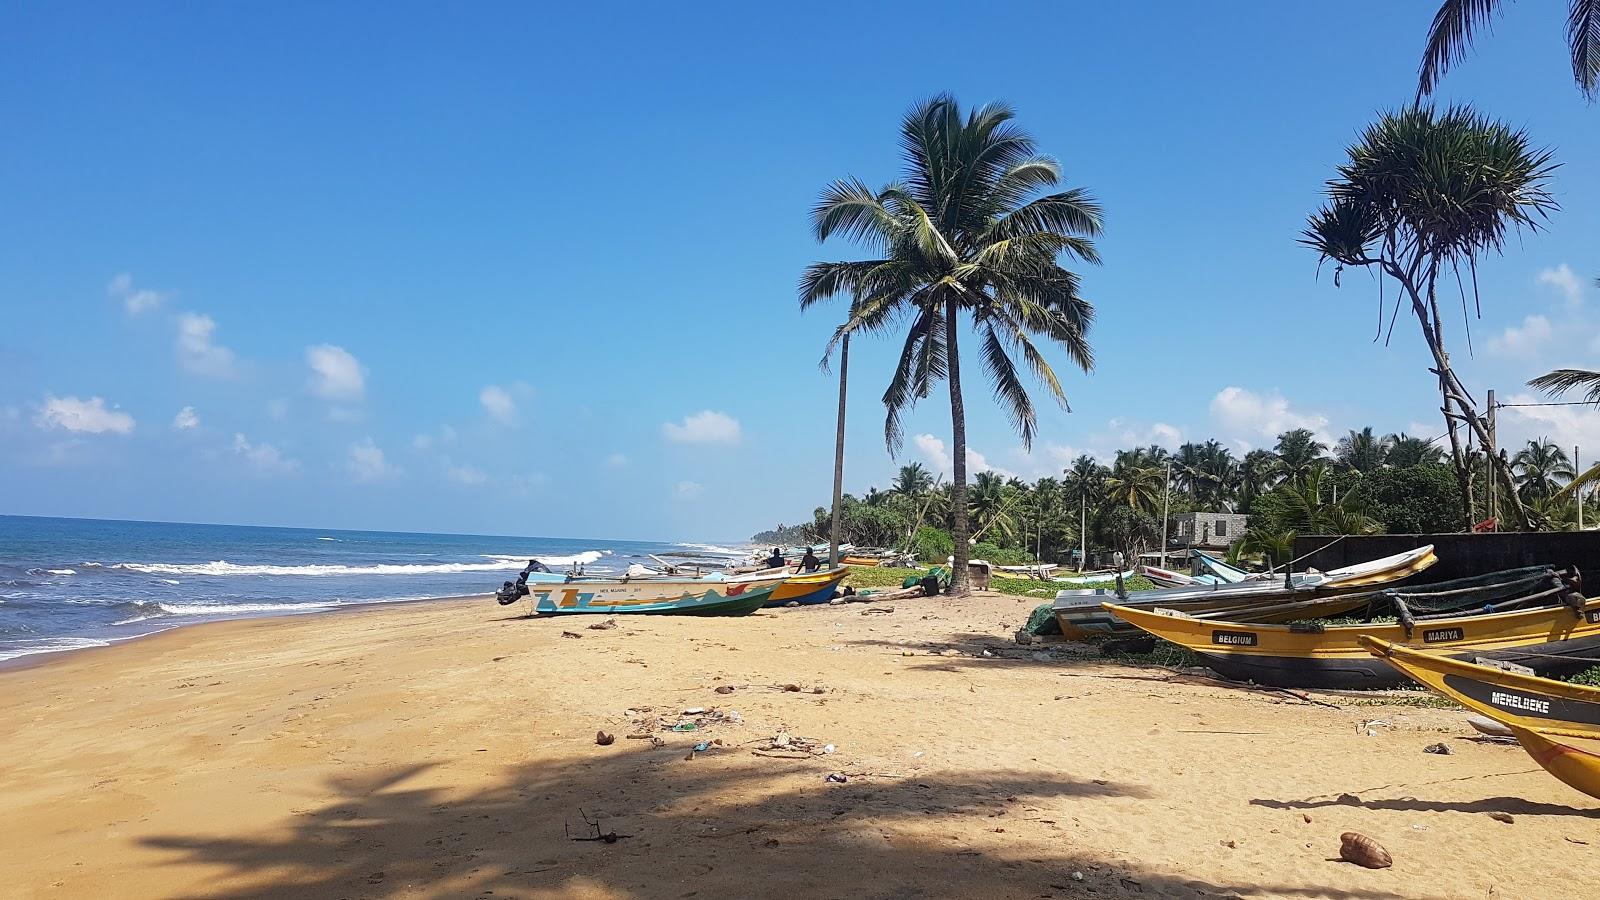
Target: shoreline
35, 659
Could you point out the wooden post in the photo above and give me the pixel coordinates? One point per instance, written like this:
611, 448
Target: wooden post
1576, 471
838, 458
1083, 532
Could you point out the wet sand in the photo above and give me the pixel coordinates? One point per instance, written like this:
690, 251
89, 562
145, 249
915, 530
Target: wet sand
446, 750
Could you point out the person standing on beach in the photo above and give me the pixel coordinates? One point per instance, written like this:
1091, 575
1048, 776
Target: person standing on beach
809, 562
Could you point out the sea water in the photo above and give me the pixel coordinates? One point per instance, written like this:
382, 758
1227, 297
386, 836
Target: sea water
71, 583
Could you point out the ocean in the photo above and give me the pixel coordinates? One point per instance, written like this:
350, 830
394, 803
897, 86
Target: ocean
72, 583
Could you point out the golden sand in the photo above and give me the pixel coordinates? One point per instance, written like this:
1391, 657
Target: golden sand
438, 750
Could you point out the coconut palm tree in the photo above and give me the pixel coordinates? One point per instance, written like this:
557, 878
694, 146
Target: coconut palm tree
967, 231
912, 481
1297, 451
1218, 473
1423, 195
1362, 451
1456, 22
1541, 469
1084, 482
1258, 472
991, 506
1135, 483
1406, 451
1186, 468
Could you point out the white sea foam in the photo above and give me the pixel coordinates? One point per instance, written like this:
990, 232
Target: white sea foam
222, 567
8, 650
713, 548
62, 571
169, 581
504, 560
227, 609
327, 539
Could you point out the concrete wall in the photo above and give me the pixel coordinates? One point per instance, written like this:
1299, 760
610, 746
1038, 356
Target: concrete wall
1461, 555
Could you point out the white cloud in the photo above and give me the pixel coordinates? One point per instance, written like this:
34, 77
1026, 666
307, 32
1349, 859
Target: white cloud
198, 350
440, 436
1528, 339
335, 374
689, 490
264, 458
704, 427
933, 450
470, 475
1563, 279
83, 416
135, 301
366, 462
499, 404
616, 460
1567, 426
1246, 416
186, 419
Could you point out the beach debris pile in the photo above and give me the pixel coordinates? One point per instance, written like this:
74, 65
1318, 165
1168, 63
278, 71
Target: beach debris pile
786, 746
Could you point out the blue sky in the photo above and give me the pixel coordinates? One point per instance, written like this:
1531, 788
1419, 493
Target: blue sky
507, 269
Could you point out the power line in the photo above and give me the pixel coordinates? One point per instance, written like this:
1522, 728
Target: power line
1548, 403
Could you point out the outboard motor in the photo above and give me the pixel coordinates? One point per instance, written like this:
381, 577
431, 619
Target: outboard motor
512, 591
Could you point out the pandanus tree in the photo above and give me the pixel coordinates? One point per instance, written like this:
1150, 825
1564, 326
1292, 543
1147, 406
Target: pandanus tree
1457, 22
973, 231
1423, 195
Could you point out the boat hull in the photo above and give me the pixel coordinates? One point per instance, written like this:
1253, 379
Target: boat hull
1558, 724
808, 589
1335, 657
661, 598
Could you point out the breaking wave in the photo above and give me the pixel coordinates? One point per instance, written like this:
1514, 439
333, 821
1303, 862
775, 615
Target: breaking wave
222, 567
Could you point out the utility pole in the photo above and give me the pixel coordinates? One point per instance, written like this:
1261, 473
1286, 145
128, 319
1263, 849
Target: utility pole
1083, 532
1576, 470
1166, 498
1488, 455
838, 458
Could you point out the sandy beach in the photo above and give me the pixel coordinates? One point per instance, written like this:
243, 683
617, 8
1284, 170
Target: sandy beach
445, 749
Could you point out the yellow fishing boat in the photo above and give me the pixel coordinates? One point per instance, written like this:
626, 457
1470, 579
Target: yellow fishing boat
1557, 723
1550, 638
809, 588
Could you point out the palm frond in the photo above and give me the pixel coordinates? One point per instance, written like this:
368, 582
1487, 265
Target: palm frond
1009, 390
1562, 380
850, 207
1583, 34
1449, 38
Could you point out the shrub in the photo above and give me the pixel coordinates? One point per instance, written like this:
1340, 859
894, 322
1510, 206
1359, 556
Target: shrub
933, 545
999, 556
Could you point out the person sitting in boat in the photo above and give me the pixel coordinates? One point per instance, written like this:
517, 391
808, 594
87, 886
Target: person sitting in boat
535, 566
776, 559
809, 562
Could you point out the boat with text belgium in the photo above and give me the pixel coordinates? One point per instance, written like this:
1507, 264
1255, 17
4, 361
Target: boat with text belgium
561, 595
1556, 722
1539, 621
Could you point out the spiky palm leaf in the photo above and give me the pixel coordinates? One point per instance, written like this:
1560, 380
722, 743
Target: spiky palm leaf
1458, 21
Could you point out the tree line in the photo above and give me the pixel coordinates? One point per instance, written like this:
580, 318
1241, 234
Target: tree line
1364, 483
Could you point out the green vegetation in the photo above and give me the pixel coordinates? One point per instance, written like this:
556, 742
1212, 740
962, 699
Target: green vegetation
1457, 21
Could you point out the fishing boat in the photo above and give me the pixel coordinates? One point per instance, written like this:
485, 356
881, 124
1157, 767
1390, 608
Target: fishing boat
652, 596
1557, 723
1167, 578
1093, 577
1549, 629
809, 588
1081, 613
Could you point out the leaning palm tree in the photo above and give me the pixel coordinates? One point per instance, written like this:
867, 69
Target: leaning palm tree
1456, 22
966, 231
1424, 194
1362, 451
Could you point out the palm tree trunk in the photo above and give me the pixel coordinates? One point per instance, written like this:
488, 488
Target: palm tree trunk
838, 457
958, 450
